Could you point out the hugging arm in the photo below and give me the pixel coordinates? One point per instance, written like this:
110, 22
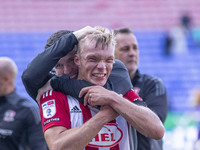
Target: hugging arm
37, 72
141, 118
119, 81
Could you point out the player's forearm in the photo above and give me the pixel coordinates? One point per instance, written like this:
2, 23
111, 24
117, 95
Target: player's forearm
79, 137
141, 118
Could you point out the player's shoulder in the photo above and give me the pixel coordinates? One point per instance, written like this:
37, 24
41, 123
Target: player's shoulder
52, 97
52, 94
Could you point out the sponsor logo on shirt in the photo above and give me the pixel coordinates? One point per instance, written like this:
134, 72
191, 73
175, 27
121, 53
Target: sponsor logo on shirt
75, 109
50, 120
108, 136
49, 109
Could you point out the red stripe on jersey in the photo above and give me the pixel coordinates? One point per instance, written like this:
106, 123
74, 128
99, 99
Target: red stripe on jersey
55, 104
68, 114
86, 112
132, 96
86, 116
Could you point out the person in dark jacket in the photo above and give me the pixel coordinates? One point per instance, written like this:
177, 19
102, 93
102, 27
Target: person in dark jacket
150, 88
20, 123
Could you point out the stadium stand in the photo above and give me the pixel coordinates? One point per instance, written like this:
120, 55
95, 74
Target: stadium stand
26, 24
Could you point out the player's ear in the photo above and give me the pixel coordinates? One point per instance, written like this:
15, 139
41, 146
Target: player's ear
76, 59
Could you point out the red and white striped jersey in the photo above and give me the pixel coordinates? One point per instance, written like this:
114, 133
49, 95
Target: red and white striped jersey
57, 109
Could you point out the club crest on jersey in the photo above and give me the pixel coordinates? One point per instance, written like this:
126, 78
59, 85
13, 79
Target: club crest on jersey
49, 109
108, 136
9, 115
136, 89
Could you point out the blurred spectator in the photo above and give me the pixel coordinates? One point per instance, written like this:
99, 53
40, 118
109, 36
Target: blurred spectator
197, 104
195, 99
150, 89
20, 124
196, 36
176, 40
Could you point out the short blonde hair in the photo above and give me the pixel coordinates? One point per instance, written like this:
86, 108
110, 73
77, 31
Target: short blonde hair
105, 38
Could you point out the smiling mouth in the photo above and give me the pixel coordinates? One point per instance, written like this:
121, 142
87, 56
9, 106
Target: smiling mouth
99, 75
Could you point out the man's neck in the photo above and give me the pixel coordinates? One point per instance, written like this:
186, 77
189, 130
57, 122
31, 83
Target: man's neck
132, 74
9, 89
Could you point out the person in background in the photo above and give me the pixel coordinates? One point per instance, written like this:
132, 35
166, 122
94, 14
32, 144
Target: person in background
176, 42
150, 88
195, 97
20, 123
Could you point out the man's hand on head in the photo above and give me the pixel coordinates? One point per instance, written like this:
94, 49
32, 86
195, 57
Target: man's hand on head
80, 34
42, 90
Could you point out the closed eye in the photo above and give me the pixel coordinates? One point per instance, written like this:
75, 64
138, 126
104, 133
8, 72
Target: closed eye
58, 66
92, 59
70, 60
126, 48
135, 47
